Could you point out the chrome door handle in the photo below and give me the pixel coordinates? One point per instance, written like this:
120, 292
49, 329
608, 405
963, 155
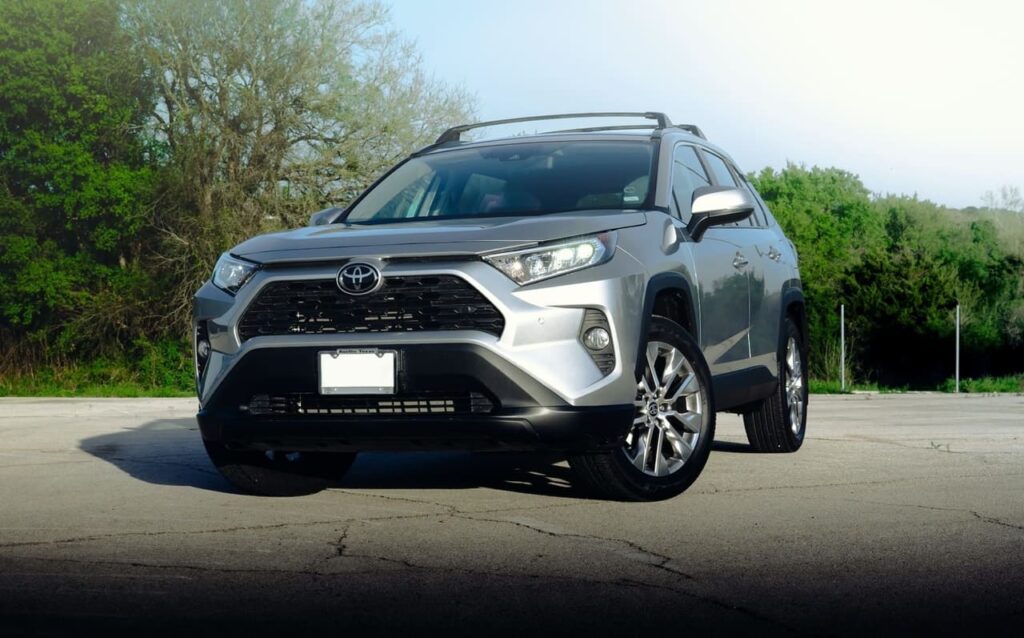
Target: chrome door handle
739, 261
773, 254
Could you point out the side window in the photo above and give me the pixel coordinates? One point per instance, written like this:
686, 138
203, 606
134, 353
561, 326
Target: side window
760, 211
718, 168
687, 176
769, 218
724, 177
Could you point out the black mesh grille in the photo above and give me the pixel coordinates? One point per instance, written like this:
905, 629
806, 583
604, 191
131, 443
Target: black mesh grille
402, 304
395, 405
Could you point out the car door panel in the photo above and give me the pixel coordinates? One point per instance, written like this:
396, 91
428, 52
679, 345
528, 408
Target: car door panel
723, 288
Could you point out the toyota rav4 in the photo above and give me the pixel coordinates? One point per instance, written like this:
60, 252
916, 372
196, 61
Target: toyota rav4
600, 292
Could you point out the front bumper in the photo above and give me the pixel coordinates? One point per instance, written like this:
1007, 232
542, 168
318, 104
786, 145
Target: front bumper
546, 389
519, 414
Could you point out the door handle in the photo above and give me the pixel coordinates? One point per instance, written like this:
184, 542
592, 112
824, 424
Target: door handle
739, 261
773, 254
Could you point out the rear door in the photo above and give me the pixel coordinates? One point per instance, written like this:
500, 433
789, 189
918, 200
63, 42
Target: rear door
766, 304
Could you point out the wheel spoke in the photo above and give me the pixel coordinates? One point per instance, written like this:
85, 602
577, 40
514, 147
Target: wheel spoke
641, 453
687, 387
673, 363
682, 448
689, 420
652, 365
660, 462
651, 447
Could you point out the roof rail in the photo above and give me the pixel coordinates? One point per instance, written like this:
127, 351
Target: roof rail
692, 129
454, 133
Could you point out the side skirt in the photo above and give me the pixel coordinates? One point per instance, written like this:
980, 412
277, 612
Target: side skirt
738, 391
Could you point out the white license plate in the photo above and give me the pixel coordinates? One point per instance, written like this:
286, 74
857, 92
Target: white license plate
357, 372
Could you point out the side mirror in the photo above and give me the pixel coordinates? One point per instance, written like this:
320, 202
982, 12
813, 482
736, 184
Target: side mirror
325, 216
717, 205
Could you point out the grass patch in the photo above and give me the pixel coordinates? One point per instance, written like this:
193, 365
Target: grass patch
1010, 384
826, 386
831, 386
162, 369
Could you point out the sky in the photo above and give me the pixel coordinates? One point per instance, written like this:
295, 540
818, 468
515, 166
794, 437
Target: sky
922, 98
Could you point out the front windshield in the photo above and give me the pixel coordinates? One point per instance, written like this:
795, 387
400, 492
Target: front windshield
521, 178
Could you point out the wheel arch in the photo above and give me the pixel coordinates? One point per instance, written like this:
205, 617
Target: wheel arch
668, 294
794, 307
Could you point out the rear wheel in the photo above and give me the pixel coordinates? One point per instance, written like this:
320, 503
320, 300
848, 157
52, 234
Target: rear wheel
279, 473
673, 426
779, 423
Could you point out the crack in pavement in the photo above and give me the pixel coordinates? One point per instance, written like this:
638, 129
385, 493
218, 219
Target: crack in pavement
328, 578
653, 559
342, 550
198, 532
893, 481
978, 515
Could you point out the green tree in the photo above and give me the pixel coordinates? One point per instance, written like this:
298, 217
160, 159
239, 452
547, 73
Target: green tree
74, 180
269, 109
827, 213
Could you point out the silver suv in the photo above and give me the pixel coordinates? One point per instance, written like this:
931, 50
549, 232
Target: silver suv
601, 292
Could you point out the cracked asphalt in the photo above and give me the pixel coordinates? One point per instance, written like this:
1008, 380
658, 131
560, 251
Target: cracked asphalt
901, 513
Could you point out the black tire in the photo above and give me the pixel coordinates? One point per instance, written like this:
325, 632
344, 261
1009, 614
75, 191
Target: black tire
613, 475
279, 473
770, 427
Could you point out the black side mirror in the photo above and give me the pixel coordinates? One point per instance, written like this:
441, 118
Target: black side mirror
717, 205
325, 216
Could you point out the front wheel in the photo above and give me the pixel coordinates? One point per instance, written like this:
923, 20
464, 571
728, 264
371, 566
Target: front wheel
780, 422
279, 473
673, 425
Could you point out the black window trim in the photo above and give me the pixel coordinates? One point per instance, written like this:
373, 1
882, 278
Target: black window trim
676, 213
741, 181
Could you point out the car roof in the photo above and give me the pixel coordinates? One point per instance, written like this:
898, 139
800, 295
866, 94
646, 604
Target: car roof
671, 134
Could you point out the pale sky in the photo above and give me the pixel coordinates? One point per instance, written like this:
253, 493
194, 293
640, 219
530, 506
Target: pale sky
915, 97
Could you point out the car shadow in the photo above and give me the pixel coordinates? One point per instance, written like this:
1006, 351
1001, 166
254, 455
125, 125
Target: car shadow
170, 452
731, 446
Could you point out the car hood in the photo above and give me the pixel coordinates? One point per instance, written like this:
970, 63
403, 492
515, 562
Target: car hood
429, 238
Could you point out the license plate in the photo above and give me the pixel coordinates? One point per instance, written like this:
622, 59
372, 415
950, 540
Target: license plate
357, 372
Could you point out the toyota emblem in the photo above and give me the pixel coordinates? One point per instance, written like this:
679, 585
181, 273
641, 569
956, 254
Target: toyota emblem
359, 279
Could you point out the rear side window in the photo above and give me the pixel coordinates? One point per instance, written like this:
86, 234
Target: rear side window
687, 176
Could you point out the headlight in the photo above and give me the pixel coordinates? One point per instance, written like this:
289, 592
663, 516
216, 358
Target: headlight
231, 273
534, 264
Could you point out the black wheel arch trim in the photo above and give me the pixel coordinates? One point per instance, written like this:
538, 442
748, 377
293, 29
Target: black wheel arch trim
793, 299
656, 285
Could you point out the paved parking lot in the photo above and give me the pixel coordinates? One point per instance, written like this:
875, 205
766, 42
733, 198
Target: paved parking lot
901, 512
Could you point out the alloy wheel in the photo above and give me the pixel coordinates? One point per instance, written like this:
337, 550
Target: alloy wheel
795, 387
669, 413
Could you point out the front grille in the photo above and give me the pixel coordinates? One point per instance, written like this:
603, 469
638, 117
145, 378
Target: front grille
402, 304
394, 405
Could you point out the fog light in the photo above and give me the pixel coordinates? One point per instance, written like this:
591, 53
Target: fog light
203, 349
597, 339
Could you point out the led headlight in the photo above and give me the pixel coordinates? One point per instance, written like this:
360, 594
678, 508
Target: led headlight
231, 273
534, 264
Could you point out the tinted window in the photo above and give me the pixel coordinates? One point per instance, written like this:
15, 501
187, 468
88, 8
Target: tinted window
687, 176
718, 168
533, 178
758, 215
724, 177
